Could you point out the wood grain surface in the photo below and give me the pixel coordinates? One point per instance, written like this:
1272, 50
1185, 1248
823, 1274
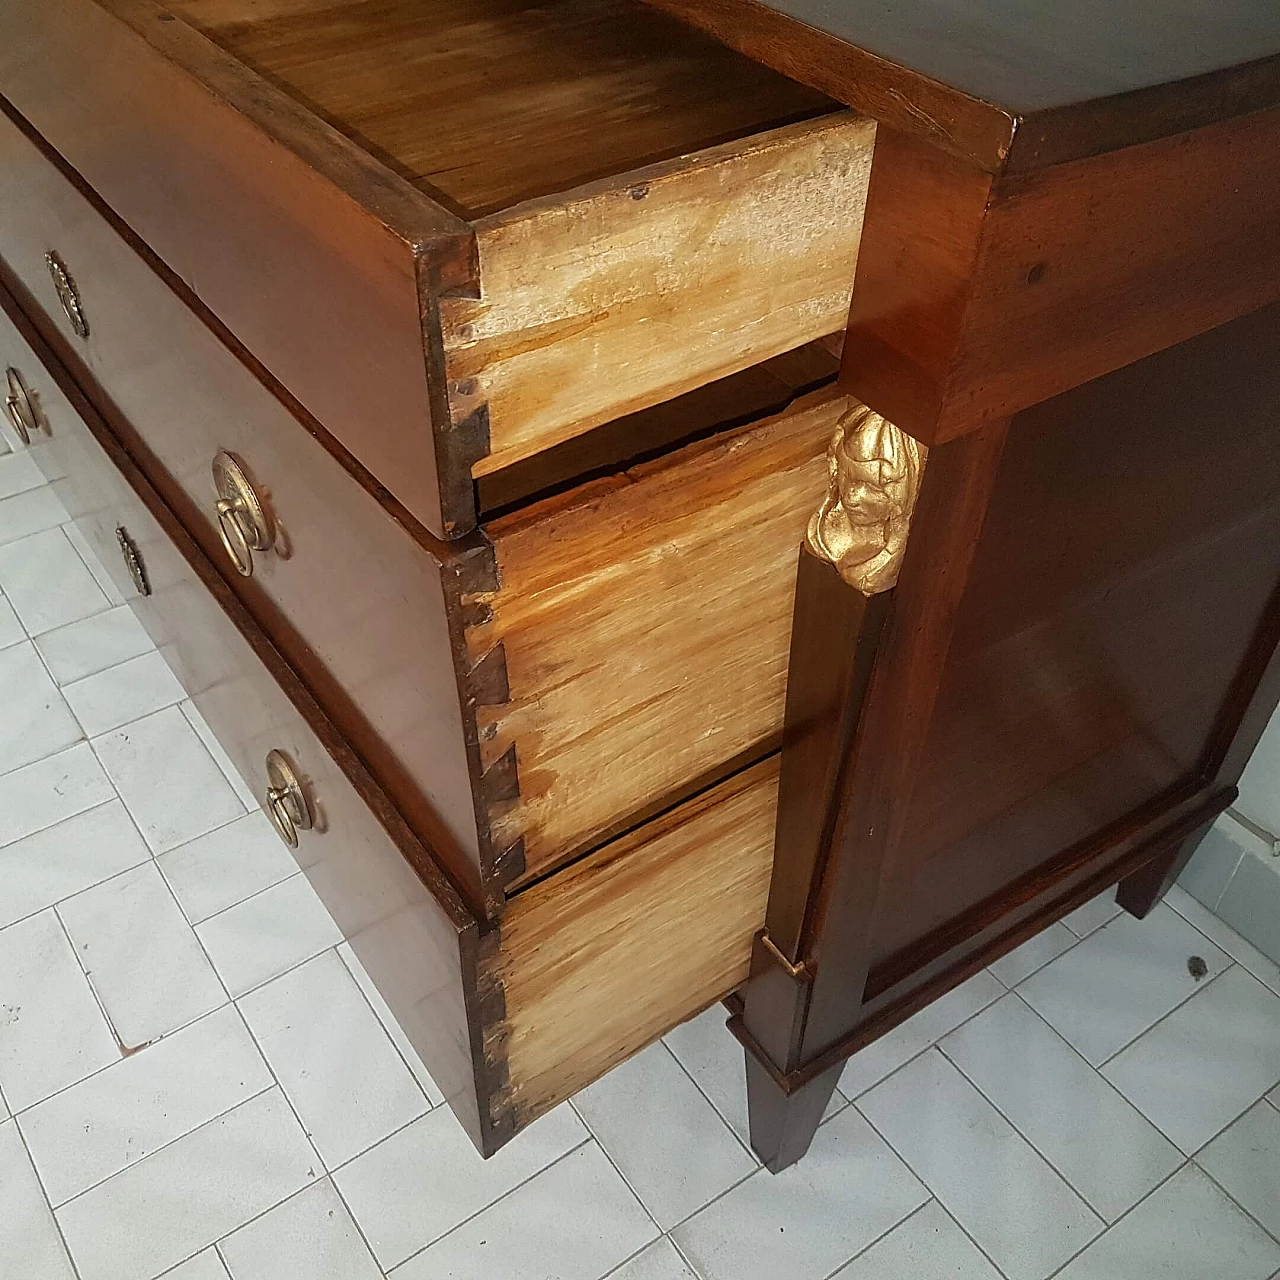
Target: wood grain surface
645, 623
605, 957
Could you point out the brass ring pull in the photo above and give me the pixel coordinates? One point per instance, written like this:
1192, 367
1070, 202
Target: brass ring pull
243, 525
287, 805
19, 408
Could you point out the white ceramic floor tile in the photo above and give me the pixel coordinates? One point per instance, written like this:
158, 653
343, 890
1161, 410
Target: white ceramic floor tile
167, 780
52, 1032
262, 937
243, 790
573, 1221
1227, 1034
121, 1115
987, 1176
810, 1219
11, 631
310, 1236
223, 867
648, 1115
420, 1183
93, 644
18, 473
659, 1261
334, 1061
145, 964
29, 513
125, 692
185, 1196
94, 564
1094, 914
1104, 1148
1245, 1159
36, 722
46, 581
44, 793
869, 1066
1108, 990
1034, 954
707, 1050
30, 1247
390, 1025
928, 1246
1224, 936
49, 865
1187, 1230
206, 1265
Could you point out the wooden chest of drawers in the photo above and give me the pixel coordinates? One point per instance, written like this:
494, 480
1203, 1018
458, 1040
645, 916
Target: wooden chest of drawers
450, 387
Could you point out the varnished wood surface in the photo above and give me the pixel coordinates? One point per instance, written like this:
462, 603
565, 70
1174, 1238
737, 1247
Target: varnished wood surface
607, 956
977, 299
1131, 547
619, 295
356, 593
644, 621
296, 239
403, 919
1006, 83
487, 103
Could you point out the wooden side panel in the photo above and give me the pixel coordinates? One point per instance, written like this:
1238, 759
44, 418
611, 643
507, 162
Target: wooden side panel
403, 918
620, 295
306, 248
1128, 556
645, 621
605, 957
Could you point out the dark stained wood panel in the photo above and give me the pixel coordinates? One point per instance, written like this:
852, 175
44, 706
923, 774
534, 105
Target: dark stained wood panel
1130, 550
491, 102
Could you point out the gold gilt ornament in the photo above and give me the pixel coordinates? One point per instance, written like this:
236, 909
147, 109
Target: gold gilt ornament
874, 472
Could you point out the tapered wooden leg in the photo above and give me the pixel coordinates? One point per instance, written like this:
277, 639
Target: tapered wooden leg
782, 1127
1138, 893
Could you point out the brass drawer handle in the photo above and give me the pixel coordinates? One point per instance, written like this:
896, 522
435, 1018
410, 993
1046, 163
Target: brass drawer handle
68, 294
20, 408
287, 805
133, 561
242, 520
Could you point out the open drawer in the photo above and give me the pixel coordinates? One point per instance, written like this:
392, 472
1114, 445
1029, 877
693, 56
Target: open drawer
582, 970
459, 233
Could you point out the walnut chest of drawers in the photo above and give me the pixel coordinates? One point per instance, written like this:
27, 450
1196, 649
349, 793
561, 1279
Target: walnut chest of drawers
477, 360
450, 386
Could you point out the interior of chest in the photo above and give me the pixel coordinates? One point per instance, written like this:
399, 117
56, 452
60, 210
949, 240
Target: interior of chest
486, 103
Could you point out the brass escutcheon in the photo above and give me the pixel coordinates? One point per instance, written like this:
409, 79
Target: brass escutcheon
243, 524
133, 561
287, 805
68, 294
19, 407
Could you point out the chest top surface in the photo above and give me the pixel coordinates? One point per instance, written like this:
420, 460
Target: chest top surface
1072, 80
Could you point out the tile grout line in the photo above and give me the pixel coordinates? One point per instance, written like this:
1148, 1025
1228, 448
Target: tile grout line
1195, 991
44, 1195
1251, 1216
710, 1101
933, 1195
431, 1106
457, 1226
1132, 1209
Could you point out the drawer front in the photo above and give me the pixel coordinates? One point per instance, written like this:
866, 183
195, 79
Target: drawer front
297, 240
350, 588
403, 919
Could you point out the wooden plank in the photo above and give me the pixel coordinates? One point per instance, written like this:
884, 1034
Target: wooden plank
488, 103
645, 621
605, 957
623, 294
